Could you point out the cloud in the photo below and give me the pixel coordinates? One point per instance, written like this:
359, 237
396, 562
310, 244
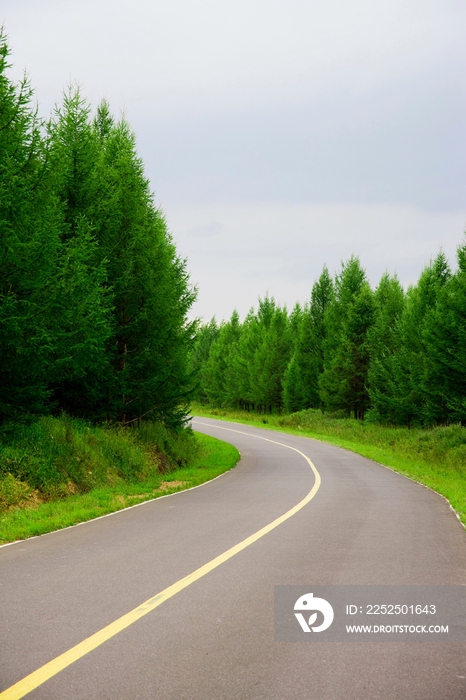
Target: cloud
277, 134
280, 248
305, 101
178, 56
406, 144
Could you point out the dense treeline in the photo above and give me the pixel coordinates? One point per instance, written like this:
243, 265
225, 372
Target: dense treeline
93, 296
386, 355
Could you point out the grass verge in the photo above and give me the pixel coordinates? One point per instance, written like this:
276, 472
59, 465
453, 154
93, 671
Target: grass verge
435, 457
210, 458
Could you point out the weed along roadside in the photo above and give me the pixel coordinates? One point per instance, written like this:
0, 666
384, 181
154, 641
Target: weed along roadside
59, 472
435, 457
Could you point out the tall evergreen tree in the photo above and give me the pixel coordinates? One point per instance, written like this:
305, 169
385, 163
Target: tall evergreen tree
206, 335
74, 153
85, 300
309, 352
219, 378
293, 389
407, 395
47, 300
29, 243
244, 363
445, 341
151, 294
107, 205
349, 368
384, 344
272, 355
342, 385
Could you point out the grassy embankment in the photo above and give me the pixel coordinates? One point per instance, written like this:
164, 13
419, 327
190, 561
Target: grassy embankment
58, 472
435, 457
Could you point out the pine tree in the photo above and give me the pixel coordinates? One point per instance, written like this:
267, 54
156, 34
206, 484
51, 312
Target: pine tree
151, 294
74, 153
311, 341
144, 287
28, 247
350, 363
407, 394
384, 344
272, 355
83, 304
206, 335
218, 373
244, 361
293, 396
445, 343
342, 385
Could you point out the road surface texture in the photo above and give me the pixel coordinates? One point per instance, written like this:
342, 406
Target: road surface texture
214, 639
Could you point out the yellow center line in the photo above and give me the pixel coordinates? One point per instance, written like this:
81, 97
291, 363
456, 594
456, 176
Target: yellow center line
50, 669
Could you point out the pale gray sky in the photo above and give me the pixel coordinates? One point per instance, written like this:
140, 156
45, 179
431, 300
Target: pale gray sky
277, 135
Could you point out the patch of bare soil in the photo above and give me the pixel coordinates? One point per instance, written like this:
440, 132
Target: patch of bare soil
167, 485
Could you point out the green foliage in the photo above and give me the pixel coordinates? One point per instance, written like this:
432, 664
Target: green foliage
205, 337
302, 381
385, 342
405, 397
74, 156
271, 355
57, 457
445, 341
142, 370
93, 296
151, 295
293, 394
29, 250
23, 514
343, 382
12, 492
219, 371
245, 362
392, 357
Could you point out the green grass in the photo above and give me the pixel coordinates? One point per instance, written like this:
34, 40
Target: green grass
435, 457
54, 457
149, 474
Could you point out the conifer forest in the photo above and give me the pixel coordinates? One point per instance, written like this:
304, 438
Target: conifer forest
94, 301
94, 297
386, 355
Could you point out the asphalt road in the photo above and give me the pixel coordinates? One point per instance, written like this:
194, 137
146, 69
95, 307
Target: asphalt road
214, 639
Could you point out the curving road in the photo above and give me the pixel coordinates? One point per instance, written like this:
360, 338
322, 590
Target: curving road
212, 637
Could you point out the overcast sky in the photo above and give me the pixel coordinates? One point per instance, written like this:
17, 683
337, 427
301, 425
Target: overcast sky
278, 135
